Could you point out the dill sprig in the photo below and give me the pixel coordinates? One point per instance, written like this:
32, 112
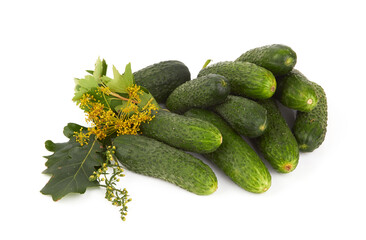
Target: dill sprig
113, 107
105, 121
117, 197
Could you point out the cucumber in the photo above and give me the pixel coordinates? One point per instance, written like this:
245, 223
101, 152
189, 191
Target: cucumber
201, 92
277, 58
235, 157
245, 79
182, 132
296, 91
277, 144
246, 116
310, 128
162, 78
150, 157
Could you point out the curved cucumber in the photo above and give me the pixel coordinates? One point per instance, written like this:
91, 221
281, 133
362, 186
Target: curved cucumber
162, 78
201, 92
182, 132
310, 128
245, 79
235, 157
277, 58
246, 116
150, 157
277, 144
296, 91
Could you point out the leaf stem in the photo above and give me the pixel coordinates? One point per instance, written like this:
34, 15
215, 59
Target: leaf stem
122, 98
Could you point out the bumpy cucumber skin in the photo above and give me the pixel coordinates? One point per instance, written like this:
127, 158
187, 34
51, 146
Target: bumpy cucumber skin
277, 144
182, 132
235, 157
310, 128
246, 116
277, 58
150, 157
245, 79
201, 92
296, 91
162, 78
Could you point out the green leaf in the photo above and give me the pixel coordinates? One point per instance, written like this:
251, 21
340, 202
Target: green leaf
71, 128
120, 83
128, 75
146, 97
116, 84
60, 150
83, 86
71, 165
106, 79
100, 70
89, 82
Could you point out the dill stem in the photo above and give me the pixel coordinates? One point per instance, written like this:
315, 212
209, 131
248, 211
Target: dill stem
122, 98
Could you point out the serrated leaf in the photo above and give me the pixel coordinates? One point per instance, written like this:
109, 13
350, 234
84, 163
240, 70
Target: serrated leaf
128, 75
71, 128
53, 147
83, 86
72, 168
146, 97
100, 70
60, 150
120, 83
89, 82
106, 79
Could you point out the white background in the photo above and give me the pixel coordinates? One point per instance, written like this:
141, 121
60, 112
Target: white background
45, 44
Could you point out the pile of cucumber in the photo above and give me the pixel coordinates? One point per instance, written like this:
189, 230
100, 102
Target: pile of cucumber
210, 114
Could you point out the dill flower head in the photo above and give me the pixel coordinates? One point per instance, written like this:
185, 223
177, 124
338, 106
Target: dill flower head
105, 121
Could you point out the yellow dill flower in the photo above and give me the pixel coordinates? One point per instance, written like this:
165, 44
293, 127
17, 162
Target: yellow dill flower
133, 93
82, 137
85, 100
130, 108
104, 121
105, 90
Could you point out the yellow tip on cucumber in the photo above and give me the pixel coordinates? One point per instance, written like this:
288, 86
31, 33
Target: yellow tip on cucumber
289, 61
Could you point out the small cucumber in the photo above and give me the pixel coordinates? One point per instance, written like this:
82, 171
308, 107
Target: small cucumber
162, 78
245, 79
235, 157
310, 128
150, 157
277, 144
296, 91
277, 58
201, 92
182, 132
246, 116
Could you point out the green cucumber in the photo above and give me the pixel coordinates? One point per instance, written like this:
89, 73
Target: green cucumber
310, 128
277, 58
277, 144
150, 157
201, 92
162, 78
296, 91
182, 132
246, 116
235, 157
245, 79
